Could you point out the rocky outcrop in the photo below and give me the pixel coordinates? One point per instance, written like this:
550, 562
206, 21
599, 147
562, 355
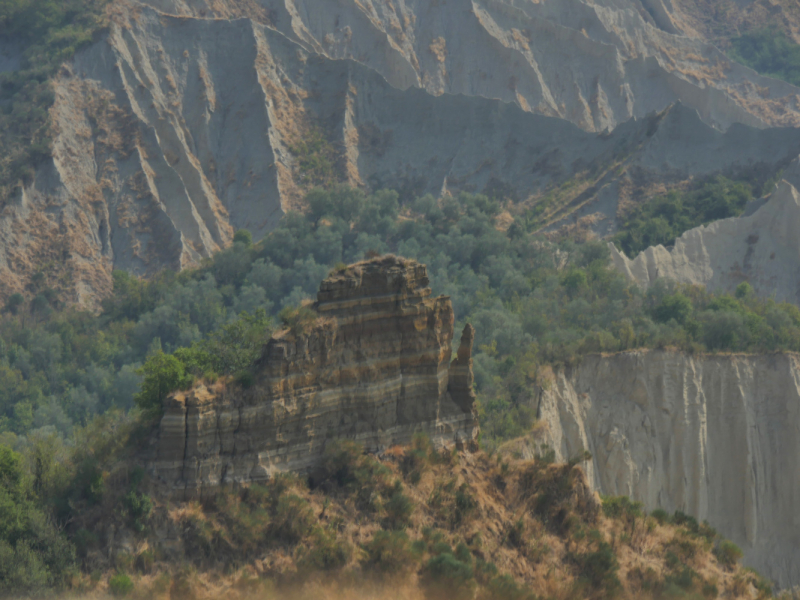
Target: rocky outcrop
714, 436
373, 366
761, 247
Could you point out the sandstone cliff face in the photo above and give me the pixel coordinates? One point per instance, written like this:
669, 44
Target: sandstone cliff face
374, 367
715, 436
760, 247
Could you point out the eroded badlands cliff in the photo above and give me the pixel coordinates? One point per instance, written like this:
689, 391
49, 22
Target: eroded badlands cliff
374, 366
714, 436
188, 121
595, 63
760, 247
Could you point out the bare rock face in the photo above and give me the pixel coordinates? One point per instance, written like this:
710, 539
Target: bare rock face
715, 436
760, 247
596, 63
374, 367
184, 122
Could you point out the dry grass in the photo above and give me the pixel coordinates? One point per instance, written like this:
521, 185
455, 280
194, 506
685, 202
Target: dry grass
535, 522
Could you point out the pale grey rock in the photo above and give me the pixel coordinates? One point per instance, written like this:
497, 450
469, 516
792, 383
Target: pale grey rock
716, 436
177, 129
595, 63
761, 247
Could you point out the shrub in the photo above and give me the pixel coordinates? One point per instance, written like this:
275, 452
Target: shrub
688, 521
316, 158
710, 590
138, 508
660, 515
390, 552
345, 466
683, 578
33, 554
484, 571
120, 585
298, 319
243, 236
445, 574
182, 587
85, 541
398, 508
417, 457
676, 306
744, 291
664, 218
770, 52
504, 587
14, 302
621, 507
465, 503
246, 517
293, 519
599, 567
728, 553
343, 463
326, 552
145, 561
516, 534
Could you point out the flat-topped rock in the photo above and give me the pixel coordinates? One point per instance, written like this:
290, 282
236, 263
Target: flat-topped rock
375, 367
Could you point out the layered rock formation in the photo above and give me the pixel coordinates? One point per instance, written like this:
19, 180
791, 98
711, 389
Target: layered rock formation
373, 366
760, 247
714, 436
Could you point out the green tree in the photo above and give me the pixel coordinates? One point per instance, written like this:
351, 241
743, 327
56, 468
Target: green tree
676, 306
231, 349
664, 218
744, 290
33, 554
14, 302
769, 52
243, 236
163, 373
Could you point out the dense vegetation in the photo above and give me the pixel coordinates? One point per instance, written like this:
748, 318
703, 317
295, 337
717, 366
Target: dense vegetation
40, 35
531, 302
664, 218
33, 553
769, 52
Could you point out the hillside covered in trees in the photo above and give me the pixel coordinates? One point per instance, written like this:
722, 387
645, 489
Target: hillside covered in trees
531, 301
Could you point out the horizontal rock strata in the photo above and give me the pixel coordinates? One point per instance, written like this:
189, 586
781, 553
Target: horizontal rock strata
373, 366
717, 437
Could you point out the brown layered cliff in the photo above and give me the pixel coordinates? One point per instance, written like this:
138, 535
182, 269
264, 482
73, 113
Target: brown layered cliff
374, 367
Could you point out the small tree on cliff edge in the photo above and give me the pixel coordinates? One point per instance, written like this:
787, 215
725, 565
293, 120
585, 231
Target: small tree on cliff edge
163, 373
